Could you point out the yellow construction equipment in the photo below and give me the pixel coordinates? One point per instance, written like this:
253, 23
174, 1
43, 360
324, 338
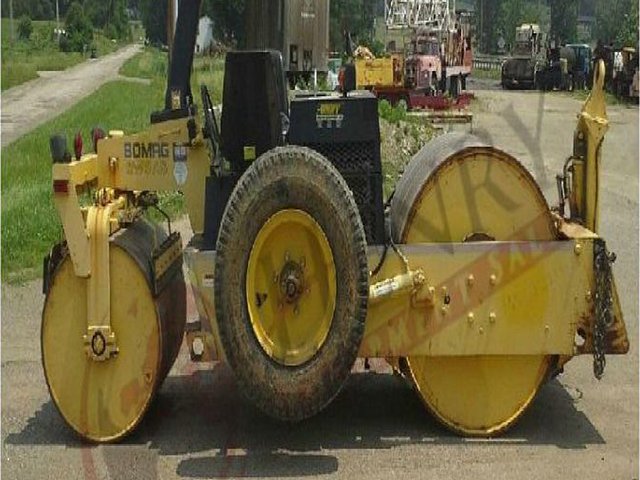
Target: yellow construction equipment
380, 72
474, 288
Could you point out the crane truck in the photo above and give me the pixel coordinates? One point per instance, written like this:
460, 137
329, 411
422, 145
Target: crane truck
436, 60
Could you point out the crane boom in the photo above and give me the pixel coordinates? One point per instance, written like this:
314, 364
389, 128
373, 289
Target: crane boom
435, 14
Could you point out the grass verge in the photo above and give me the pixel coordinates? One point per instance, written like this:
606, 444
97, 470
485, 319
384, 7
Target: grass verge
488, 74
582, 95
401, 137
151, 63
30, 224
22, 59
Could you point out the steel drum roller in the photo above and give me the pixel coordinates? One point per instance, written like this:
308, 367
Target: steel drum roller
105, 400
457, 189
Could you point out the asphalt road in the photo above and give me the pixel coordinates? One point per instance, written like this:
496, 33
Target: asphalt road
200, 427
26, 106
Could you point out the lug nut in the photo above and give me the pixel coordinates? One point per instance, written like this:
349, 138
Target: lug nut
197, 346
291, 288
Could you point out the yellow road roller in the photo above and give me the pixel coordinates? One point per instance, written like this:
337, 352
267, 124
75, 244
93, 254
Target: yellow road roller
464, 280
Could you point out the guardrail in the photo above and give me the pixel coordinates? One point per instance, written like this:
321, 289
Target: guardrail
488, 62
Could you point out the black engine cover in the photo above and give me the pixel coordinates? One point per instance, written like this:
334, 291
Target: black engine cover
347, 132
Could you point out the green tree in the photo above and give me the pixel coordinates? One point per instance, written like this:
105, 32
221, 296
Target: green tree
109, 15
154, 19
489, 24
356, 17
617, 22
564, 21
35, 9
25, 28
228, 19
627, 35
79, 30
118, 22
516, 12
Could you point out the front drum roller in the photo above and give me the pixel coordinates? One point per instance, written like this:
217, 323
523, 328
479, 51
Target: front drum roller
104, 400
456, 189
291, 282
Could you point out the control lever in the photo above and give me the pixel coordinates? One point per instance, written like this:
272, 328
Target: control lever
211, 130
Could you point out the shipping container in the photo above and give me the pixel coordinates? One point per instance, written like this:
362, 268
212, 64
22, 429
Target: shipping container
299, 29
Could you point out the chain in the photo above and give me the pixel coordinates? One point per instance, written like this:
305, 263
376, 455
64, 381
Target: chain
603, 304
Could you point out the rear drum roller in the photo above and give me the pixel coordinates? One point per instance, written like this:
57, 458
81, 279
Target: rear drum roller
105, 400
291, 282
457, 189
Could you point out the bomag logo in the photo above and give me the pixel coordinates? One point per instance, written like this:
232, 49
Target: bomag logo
146, 150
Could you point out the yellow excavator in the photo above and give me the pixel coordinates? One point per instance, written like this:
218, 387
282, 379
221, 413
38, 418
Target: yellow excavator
466, 281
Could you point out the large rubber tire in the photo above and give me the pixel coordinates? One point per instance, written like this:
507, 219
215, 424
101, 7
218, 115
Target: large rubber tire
503, 83
301, 180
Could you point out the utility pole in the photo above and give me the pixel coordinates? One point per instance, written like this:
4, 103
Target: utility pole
172, 13
11, 34
482, 41
57, 22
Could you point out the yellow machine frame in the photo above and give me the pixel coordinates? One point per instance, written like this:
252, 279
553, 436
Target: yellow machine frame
430, 300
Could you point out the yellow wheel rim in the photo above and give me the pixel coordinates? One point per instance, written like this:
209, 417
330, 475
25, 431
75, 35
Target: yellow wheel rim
291, 287
478, 395
102, 401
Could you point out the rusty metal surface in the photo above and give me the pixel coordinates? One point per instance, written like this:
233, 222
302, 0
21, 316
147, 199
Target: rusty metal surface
140, 241
281, 23
493, 298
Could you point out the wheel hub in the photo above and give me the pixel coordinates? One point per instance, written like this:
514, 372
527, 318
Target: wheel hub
291, 281
291, 287
100, 343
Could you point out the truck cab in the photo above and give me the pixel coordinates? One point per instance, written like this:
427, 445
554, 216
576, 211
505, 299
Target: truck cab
423, 69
